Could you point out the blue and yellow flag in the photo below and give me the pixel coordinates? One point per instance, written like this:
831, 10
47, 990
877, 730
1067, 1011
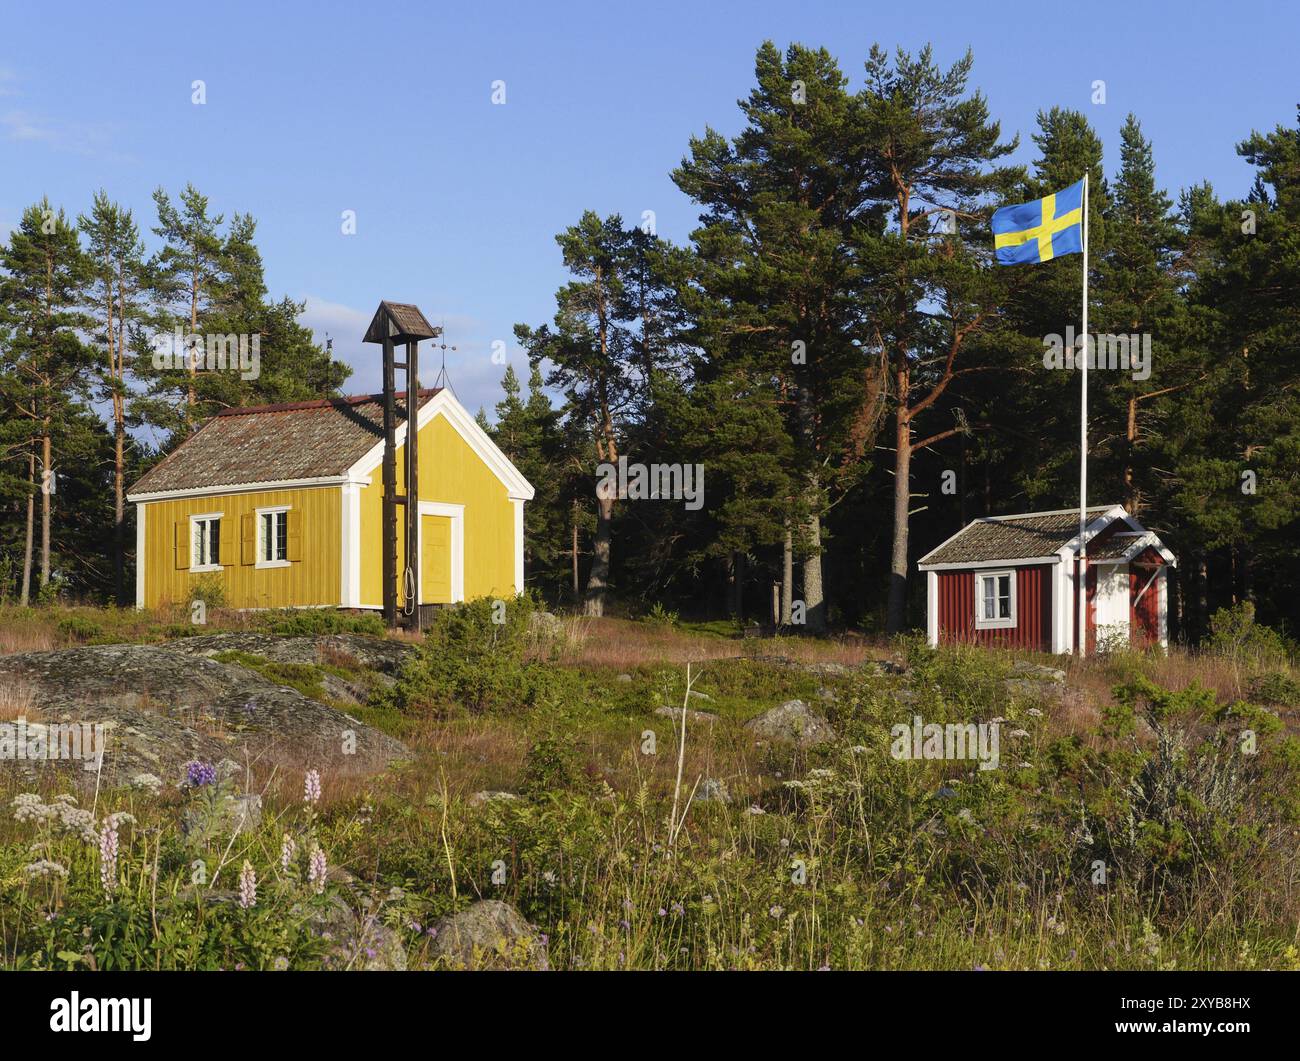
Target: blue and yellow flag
1040, 231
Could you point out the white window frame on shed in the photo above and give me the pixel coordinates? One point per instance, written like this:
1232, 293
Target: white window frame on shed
212, 565
1002, 622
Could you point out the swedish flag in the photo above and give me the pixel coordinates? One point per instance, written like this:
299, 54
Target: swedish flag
1040, 231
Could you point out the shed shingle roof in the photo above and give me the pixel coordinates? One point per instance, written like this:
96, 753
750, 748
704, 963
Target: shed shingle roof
274, 443
1011, 537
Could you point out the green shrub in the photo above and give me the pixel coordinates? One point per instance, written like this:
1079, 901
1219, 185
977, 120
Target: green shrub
208, 588
308, 622
80, 628
1275, 688
658, 615
475, 655
1235, 634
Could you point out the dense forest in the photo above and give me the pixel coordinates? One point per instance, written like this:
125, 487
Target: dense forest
834, 350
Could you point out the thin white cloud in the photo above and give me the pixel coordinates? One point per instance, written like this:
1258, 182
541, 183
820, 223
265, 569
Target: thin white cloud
81, 138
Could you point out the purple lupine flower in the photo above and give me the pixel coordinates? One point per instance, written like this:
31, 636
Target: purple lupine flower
288, 851
311, 787
198, 774
316, 870
247, 886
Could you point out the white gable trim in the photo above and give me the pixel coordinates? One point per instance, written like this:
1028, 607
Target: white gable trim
444, 404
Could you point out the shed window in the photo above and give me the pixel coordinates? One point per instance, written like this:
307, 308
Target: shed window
995, 600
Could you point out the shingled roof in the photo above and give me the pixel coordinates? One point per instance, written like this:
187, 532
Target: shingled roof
1022, 537
275, 443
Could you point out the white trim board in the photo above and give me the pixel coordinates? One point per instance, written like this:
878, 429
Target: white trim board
140, 548
971, 565
243, 488
350, 546
518, 504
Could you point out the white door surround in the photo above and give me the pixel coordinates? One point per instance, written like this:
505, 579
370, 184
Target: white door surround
456, 513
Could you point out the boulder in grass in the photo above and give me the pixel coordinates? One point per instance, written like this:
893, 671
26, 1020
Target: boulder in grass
489, 934
486, 796
162, 707
713, 790
1031, 689
691, 716
793, 721
1023, 668
357, 940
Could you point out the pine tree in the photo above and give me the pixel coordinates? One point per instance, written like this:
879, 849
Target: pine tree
934, 151
592, 351
118, 268
47, 365
778, 296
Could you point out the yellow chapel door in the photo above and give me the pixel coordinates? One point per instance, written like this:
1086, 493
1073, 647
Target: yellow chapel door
435, 560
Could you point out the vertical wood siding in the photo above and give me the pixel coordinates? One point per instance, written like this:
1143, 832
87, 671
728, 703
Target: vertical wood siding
1033, 610
450, 472
314, 580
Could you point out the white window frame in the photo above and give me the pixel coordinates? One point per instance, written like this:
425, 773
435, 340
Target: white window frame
258, 541
994, 624
200, 517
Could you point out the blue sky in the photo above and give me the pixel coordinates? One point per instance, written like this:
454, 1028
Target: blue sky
385, 109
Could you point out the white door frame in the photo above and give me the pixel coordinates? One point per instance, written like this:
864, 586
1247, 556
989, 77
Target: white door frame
456, 513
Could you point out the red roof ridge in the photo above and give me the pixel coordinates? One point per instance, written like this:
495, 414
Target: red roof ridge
320, 403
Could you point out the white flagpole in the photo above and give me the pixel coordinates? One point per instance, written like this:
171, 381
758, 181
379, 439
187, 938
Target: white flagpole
1083, 443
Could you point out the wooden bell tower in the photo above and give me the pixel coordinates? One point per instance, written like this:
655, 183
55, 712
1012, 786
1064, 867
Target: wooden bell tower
397, 323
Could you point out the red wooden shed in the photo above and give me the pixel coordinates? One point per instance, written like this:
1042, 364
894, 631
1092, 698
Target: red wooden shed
1013, 581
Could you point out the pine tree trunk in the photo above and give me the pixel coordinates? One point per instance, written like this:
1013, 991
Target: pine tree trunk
1203, 595
31, 527
575, 561
787, 577
814, 598
119, 510
598, 578
1131, 500
190, 397
47, 487
896, 617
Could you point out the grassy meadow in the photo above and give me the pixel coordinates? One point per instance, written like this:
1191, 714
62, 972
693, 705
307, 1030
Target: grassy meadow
1143, 816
